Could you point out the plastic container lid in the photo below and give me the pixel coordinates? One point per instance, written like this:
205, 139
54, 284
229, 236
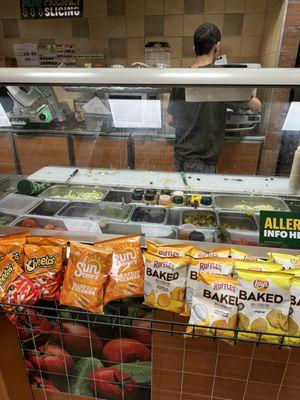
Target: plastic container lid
17, 203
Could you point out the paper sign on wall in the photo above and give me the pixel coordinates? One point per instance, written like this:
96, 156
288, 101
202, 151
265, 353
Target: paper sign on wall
40, 9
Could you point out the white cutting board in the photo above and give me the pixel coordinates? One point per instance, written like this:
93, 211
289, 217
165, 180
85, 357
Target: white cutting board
52, 174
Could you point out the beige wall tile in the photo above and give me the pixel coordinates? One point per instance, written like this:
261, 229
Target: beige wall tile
173, 25
174, 6
10, 9
154, 25
233, 24
6, 47
255, 60
267, 43
135, 48
256, 5
191, 23
116, 7
154, 7
217, 19
98, 27
154, 39
235, 5
270, 60
188, 47
80, 27
117, 48
187, 62
231, 46
135, 26
45, 29
95, 8
116, 26
176, 46
83, 45
214, 6
119, 61
175, 62
135, 7
194, 6
253, 24
251, 46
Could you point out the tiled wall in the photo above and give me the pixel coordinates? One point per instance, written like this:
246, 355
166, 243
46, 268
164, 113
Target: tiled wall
121, 27
203, 369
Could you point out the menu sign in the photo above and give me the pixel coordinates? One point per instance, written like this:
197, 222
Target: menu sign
42, 9
280, 227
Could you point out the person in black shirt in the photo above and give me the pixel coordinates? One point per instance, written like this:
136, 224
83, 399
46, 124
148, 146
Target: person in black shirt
200, 127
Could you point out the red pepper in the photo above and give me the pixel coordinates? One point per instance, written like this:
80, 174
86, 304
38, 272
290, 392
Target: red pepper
33, 326
126, 350
51, 358
112, 384
44, 384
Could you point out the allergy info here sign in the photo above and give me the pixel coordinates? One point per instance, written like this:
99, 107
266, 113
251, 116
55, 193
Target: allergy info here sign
280, 227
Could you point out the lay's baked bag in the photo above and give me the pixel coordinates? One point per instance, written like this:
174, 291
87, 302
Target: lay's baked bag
287, 261
198, 253
169, 250
214, 305
165, 280
240, 255
264, 303
294, 317
261, 266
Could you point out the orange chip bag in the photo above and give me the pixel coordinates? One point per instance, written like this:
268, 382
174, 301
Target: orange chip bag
169, 250
198, 253
85, 276
13, 247
43, 265
126, 278
48, 241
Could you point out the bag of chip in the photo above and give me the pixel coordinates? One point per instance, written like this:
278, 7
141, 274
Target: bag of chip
198, 253
287, 261
49, 241
294, 316
126, 278
165, 280
240, 255
85, 276
169, 250
262, 266
13, 247
217, 266
15, 288
264, 303
214, 305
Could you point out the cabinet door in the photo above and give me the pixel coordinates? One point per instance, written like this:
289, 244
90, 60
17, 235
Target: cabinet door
239, 158
100, 153
154, 155
36, 152
7, 159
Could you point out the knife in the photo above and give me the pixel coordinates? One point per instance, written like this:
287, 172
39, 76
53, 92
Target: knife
182, 174
72, 175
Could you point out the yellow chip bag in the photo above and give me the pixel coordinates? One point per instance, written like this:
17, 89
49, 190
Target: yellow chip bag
217, 266
294, 271
287, 261
240, 255
264, 303
165, 280
214, 305
169, 250
262, 266
294, 317
198, 253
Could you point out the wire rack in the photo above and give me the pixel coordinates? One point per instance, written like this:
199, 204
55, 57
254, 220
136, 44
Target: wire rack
62, 347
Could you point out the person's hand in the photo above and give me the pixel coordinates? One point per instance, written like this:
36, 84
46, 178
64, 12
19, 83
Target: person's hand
170, 119
255, 104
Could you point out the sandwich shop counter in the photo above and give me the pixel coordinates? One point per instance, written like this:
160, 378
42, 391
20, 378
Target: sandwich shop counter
123, 278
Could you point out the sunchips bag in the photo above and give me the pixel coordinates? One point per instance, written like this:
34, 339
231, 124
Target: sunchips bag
219, 253
44, 266
165, 280
126, 277
169, 250
261, 266
286, 260
85, 276
264, 303
294, 317
214, 304
217, 266
240, 255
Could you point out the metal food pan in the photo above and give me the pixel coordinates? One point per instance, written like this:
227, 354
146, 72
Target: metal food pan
111, 212
119, 196
10, 218
245, 238
47, 208
249, 203
42, 223
147, 230
236, 221
150, 215
18, 204
65, 192
294, 205
198, 212
76, 209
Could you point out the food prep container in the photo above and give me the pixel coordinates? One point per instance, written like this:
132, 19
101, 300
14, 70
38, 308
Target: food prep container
111, 212
7, 186
72, 192
235, 221
200, 218
47, 208
18, 204
147, 230
294, 205
76, 209
151, 215
118, 196
42, 223
6, 219
245, 238
249, 203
